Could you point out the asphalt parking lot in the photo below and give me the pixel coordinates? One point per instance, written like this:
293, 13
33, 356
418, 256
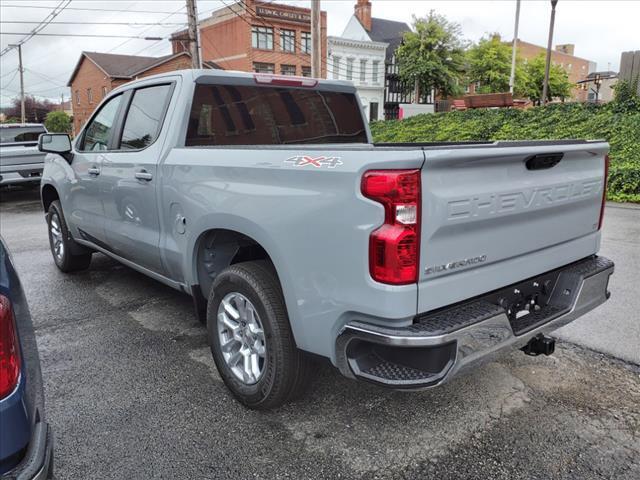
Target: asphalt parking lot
132, 391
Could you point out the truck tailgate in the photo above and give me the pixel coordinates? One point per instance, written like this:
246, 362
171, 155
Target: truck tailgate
11, 155
494, 216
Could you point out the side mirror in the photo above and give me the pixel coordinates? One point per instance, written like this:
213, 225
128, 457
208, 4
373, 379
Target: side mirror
59, 143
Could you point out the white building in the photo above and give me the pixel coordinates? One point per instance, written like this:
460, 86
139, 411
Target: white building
356, 57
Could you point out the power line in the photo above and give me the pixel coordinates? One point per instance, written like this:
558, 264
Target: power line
9, 73
132, 37
131, 24
85, 9
48, 80
15, 72
147, 29
53, 14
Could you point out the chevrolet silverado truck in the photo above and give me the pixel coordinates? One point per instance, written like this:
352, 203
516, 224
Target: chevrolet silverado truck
264, 198
20, 161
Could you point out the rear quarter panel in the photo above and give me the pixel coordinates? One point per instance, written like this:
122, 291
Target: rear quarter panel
312, 221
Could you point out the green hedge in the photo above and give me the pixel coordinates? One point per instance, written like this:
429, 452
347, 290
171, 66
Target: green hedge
569, 120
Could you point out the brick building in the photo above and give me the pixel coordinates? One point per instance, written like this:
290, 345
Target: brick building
254, 36
96, 74
577, 68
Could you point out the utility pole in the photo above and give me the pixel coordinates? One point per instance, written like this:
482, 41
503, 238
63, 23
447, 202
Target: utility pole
512, 78
194, 34
21, 70
545, 86
316, 39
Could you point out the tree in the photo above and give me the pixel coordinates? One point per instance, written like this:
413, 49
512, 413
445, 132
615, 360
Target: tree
489, 62
35, 110
58, 122
559, 84
432, 55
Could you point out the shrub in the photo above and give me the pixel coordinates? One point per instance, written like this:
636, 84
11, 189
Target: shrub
617, 122
58, 122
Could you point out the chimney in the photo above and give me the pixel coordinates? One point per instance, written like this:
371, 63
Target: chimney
363, 12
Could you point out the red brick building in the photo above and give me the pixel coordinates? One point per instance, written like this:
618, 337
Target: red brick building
96, 74
577, 68
255, 36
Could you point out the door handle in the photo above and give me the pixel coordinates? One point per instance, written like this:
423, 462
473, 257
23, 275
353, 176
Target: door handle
93, 171
143, 175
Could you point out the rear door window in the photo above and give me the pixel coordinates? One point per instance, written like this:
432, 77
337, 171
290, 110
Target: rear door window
144, 118
258, 115
20, 134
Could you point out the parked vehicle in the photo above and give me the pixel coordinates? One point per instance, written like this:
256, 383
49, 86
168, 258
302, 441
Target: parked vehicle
26, 442
264, 198
20, 160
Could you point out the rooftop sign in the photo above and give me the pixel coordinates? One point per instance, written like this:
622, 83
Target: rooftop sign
284, 14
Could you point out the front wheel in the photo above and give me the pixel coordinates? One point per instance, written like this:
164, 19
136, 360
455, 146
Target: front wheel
67, 254
251, 339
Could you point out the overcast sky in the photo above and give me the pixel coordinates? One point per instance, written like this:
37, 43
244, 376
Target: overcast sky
601, 30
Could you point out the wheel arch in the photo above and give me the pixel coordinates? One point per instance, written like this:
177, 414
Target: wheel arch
48, 194
217, 248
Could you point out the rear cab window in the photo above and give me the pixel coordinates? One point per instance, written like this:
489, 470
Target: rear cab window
24, 135
265, 115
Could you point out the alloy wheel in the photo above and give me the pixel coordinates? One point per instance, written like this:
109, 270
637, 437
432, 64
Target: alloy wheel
241, 338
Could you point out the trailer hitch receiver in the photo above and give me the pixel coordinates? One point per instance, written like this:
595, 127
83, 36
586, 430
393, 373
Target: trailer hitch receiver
540, 344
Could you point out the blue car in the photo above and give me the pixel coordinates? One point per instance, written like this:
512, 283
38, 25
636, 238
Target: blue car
26, 441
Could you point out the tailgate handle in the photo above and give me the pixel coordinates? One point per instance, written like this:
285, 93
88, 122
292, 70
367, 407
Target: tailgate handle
542, 161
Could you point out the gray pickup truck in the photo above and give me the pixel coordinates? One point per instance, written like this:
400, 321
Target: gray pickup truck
20, 161
264, 198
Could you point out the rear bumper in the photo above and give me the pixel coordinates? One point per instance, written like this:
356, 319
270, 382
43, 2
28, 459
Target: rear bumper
38, 461
444, 343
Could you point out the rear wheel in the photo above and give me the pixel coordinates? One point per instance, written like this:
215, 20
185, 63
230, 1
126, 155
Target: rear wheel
67, 254
251, 339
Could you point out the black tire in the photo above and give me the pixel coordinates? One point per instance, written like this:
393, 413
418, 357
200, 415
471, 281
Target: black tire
286, 370
72, 257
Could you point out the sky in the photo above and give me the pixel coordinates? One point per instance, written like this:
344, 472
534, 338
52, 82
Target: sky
600, 29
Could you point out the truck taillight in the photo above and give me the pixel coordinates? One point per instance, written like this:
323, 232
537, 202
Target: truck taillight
9, 351
604, 190
395, 246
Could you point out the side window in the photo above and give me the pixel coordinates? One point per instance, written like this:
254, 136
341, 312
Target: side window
144, 118
96, 135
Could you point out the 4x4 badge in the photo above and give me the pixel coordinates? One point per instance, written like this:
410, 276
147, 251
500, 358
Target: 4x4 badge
317, 162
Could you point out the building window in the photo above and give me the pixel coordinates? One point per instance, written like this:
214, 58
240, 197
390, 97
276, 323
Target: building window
288, 69
306, 42
288, 40
260, 67
89, 96
77, 97
374, 71
373, 111
104, 91
336, 68
363, 70
262, 37
306, 71
349, 68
